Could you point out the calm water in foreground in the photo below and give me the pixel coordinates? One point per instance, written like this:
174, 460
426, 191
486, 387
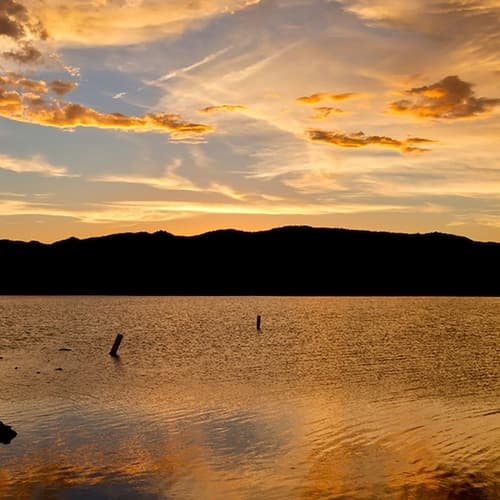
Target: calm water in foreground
334, 398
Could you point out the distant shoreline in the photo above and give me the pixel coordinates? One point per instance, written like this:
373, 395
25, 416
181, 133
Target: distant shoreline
131, 295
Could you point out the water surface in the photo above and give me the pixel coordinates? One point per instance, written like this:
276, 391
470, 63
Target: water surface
333, 398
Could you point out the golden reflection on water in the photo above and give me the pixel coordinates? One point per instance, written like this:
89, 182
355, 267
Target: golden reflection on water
316, 448
294, 413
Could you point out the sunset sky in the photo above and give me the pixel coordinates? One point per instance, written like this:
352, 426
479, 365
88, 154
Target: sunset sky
189, 116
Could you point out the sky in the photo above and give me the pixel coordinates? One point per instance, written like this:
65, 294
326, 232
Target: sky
191, 116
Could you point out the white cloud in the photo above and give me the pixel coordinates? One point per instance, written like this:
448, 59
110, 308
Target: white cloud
187, 69
35, 164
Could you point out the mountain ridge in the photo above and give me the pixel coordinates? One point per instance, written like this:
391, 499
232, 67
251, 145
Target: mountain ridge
287, 260
233, 230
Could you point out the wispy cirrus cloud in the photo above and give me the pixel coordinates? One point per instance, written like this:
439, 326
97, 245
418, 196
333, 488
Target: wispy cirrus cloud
35, 164
467, 29
258, 208
186, 69
450, 98
169, 180
360, 140
150, 211
104, 23
430, 16
172, 181
314, 181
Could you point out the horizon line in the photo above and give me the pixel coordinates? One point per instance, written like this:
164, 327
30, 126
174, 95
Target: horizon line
234, 229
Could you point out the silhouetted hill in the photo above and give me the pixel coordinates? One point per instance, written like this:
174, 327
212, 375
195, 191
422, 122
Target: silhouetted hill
283, 261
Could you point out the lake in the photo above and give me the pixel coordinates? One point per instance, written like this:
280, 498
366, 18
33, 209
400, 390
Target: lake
335, 397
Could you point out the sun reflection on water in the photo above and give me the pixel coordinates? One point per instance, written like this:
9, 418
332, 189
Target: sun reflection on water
335, 398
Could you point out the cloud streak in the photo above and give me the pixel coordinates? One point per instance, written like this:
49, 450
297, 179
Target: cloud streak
323, 112
360, 140
451, 98
187, 69
150, 211
36, 165
316, 98
170, 180
223, 108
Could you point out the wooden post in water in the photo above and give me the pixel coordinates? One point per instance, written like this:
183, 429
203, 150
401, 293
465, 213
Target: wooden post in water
116, 345
258, 322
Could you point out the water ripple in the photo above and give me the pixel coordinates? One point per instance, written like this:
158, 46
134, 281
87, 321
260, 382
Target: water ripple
334, 398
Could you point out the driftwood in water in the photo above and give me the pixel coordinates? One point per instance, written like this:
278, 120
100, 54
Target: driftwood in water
116, 345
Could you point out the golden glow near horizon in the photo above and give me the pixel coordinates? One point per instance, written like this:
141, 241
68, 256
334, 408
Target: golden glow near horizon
149, 114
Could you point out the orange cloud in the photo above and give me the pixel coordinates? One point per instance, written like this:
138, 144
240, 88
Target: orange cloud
315, 98
323, 112
125, 22
68, 115
223, 108
13, 81
359, 140
17, 24
61, 87
450, 98
23, 100
25, 54
10, 102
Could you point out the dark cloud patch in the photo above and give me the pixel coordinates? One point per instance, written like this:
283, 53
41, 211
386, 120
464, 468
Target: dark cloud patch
62, 87
323, 112
315, 98
450, 98
17, 24
360, 140
14, 19
10, 28
223, 108
26, 54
